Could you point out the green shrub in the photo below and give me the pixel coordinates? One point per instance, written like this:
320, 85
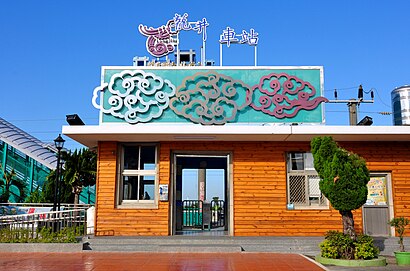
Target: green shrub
42, 235
329, 250
364, 248
340, 246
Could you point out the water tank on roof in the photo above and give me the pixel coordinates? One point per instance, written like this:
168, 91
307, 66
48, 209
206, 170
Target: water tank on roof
400, 98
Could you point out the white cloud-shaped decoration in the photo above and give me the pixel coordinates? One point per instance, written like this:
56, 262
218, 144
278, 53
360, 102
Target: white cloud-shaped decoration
135, 96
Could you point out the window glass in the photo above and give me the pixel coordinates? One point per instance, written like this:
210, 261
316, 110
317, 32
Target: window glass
296, 160
138, 176
147, 158
309, 161
131, 157
130, 187
147, 188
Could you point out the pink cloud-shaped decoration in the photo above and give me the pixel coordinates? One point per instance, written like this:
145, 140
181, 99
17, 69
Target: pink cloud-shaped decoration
283, 95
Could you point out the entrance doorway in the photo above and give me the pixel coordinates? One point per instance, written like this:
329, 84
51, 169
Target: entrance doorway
200, 194
378, 209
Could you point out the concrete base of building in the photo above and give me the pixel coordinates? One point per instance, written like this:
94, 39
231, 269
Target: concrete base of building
41, 247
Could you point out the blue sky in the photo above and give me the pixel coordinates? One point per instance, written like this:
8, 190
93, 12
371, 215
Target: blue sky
214, 184
51, 52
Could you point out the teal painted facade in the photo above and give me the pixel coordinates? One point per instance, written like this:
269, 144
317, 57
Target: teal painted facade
27, 169
210, 96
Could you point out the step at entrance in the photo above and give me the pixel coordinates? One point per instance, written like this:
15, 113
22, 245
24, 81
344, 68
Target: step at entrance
208, 244
183, 248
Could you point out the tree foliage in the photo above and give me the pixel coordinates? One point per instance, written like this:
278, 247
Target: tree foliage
10, 182
80, 170
47, 193
344, 175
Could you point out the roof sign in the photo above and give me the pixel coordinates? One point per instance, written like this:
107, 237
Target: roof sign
229, 36
181, 23
161, 41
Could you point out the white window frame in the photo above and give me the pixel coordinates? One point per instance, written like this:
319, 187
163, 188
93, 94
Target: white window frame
139, 203
308, 172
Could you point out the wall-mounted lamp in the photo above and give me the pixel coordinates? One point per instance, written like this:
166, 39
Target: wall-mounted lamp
366, 121
74, 119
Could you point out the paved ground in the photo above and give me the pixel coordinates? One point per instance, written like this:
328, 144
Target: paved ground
245, 261
94, 261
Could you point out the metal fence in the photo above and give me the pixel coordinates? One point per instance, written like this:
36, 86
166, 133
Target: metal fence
192, 211
27, 208
218, 213
55, 220
194, 214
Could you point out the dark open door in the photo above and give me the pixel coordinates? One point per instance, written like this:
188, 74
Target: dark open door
202, 210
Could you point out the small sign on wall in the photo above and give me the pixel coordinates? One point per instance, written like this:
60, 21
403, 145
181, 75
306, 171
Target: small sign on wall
377, 191
290, 206
163, 192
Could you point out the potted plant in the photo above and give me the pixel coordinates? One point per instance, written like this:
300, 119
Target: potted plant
400, 224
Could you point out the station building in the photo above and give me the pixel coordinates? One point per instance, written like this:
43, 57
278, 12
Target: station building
252, 125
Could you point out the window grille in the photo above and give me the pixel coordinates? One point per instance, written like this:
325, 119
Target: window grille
303, 182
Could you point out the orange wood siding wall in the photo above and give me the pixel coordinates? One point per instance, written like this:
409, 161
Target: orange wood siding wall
113, 221
260, 194
259, 189
393, 157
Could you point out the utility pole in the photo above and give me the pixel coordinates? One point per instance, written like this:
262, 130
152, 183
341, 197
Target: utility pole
352, 104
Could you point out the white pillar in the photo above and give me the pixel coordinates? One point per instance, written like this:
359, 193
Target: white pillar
203, 52
177, 49
256, 56
220, 54
202, 184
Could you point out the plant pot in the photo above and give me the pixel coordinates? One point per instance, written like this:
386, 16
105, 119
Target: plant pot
402, 258
379, 261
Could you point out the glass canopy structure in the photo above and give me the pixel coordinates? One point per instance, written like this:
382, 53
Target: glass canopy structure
31, 159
